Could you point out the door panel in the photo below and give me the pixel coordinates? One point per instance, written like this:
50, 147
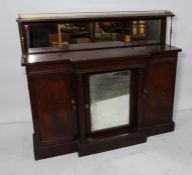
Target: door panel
160, 83
109, 99
112, 99
54, 118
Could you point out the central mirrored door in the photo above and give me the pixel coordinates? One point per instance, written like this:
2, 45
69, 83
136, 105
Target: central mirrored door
109, 100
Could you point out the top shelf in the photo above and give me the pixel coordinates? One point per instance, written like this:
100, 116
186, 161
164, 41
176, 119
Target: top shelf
92, 15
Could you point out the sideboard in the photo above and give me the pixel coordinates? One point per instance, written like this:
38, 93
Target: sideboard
98, 81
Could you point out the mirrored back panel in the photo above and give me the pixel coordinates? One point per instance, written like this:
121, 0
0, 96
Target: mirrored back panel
70, 35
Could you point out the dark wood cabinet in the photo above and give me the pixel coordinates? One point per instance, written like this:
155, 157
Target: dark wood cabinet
113, 88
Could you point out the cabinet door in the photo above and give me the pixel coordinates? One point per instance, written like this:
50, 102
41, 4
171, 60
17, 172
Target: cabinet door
112, 102
52, 99
160, 84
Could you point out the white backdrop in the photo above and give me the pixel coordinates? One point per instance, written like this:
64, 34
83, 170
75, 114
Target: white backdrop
14, 100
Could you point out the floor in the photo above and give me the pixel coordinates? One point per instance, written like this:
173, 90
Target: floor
166, 154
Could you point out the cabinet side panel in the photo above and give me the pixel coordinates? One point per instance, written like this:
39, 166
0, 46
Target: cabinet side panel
51, 96
160, 85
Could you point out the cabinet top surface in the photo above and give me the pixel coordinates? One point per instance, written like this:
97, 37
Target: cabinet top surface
90, 15
97, 55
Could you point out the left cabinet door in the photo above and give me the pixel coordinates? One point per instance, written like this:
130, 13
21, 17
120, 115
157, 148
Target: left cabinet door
52, 98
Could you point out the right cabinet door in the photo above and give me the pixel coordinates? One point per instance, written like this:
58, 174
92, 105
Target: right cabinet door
159, 96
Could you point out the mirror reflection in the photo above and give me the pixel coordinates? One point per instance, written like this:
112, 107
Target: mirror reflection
109, 99
61, 35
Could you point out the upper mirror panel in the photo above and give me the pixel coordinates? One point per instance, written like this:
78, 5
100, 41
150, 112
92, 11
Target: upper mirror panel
72, 35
